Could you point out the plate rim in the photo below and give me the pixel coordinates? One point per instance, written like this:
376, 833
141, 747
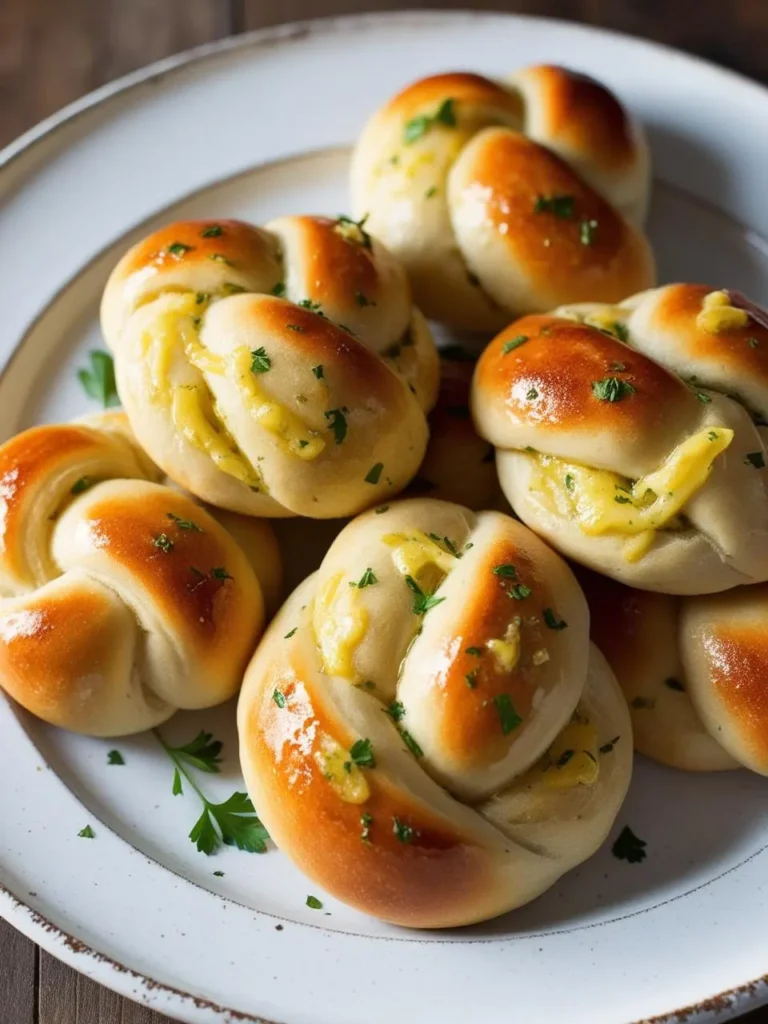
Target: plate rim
101, 967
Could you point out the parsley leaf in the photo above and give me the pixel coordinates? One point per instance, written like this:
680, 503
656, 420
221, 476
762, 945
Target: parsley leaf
396, 710
620, 330
81, 485
338, 423
422, 602
411, 743
756, 459
278, 290
314, 903
261, 361
279, 698
477, 651
115, 757
629, 847
366, 580
513, 343
561, 205
674, 684
612, 389
164, 542
290, 633
98, 380
234, 821
212, 231
374, 473
507, 570
354, 230
178, 249
220, 573
471, 679
318, 371
570, 483
421, 124
86, 833
552, 620
361, 753
362, 300
184, 524
607, 748
519, 592
405, 833
509, 718
366, 820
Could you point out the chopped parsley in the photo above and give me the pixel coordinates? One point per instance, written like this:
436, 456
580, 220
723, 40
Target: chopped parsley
562, 206
753, 342
261, 362
674, 684
212, 231
471, 679
178, 249
520, 592
570, 483
361, 753
314, 903
164, 542
422, 602
587, 231
381, 509
476, 651
81, 485
86, 833
629, 847
552, 620
290, 633
507, 570
363, 300
620, 330
411, 743
421, 124
513, 343
278, 290
431, 192
220, 573
508, 717
713, 435
622, 499
296, 327
366, 580
374, 473
532, 393
396, 710
756, 459
338, 423
279, 698
98, 380
564, 758
184, 524
607, 748
405, 833
318, 371
352, 229
115, 757
313, 307
612, 389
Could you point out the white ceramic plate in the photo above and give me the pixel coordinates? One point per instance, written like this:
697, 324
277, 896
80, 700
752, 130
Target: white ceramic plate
254, 128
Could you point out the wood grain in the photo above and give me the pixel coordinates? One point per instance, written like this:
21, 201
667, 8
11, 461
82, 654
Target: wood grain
53, 51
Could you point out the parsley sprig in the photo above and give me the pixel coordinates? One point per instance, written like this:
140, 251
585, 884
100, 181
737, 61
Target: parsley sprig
421, 124
422, 601
98, 380
233, 822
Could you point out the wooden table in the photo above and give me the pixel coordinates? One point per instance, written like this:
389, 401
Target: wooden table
52, 51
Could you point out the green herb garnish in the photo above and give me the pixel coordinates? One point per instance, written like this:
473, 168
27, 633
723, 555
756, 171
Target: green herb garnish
366, 580
506, 570
361, 753
164, 542
552, 620
86, 833
513, 343
115, 757
261, 362
81, 485
508, 717
184, 524
562, 206
629, 847
374, 473
290, 633
411, 743
178, 249
98, 380
756, 459
421, 124
314, 903
212, 231
422, 602
612, 389
348, 227
674, 684
279, 698
405, 833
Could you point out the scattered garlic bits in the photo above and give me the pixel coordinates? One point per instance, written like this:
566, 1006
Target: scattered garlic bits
717, 314
602, 502
506, 651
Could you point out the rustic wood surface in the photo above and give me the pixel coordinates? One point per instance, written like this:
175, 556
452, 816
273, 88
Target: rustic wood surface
52, 51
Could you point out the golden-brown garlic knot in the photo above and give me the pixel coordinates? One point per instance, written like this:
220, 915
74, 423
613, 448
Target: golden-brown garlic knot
277, 371
504, 198
422, 724
122, 599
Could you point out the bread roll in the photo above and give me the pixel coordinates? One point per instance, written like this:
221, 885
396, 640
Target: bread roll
619, 463
273, 372
122, 600
421, 726
693, 671
504, 198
